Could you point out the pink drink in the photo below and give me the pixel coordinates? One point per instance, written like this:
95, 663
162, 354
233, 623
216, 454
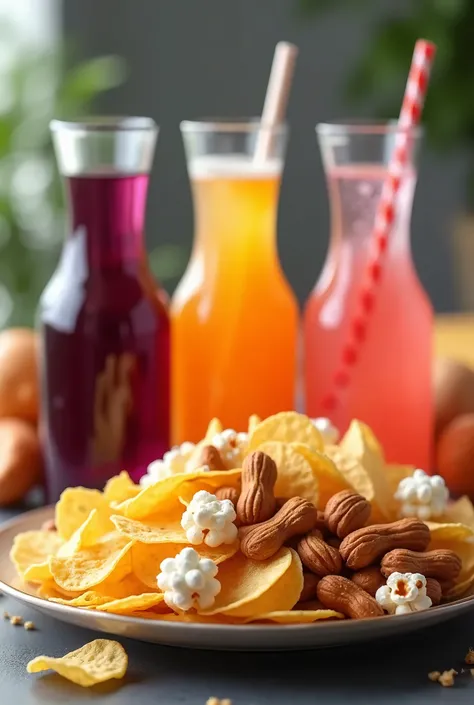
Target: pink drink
389, 385
105, 340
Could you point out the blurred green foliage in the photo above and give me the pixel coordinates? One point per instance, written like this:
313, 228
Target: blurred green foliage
36, 85
380, 73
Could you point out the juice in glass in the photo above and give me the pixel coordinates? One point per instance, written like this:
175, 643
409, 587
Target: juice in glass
388, 385
104, 328
233, 317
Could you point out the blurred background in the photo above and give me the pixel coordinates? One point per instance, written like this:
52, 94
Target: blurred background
185, 59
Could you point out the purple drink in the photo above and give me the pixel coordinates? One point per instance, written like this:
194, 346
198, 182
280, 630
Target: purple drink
105, 340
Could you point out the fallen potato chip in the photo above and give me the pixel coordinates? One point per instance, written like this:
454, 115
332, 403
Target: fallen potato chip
96, 662
330, 480
295, 475
360, 443
286, 427
251, 587
91, 566
73, 508
146, 533
147, 558
120, 488
295, 616
33, 548
163, 496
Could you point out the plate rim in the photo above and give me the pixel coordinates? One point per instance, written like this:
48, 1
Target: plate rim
187, 627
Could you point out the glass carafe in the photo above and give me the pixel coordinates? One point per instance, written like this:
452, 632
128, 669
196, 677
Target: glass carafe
233, 317
103, 321
371, 363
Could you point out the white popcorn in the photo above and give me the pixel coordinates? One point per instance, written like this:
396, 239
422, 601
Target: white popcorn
188, 581
231, 446
422, 496
404, 593
172, 463
209, 520
328, 431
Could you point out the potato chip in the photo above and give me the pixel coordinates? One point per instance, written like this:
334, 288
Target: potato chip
33, 548
150, 533
163, 496
96, 526
330, 480
93, 565
147, 558
360, 443
461, 511
89, 599
295, 475
73, 508
37, 573
49, 590
286, 427
132, 603
254, 420
120, 488
256, 587
440, 533
96, 662
396, 473
295, 616
214, 428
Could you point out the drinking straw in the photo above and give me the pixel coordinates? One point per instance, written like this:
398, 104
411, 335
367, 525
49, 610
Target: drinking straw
410, 115
276, 97
273, 114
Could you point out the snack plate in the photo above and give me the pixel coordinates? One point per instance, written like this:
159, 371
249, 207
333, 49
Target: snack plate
211, 636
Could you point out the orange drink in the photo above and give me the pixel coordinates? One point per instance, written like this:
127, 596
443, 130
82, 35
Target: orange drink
234, 318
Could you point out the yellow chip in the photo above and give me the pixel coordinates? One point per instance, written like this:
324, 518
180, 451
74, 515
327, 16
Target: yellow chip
91, 566
461, 511
254, 420
295, 616
396, 473
214, 428
360, 443
73, 508
49, 589
89, 599
120, 488
295, 475
96, 526
150, 533
286, 427
96, 662
256, 587
163, 496
132, 603
33, 548
440, 533
37, 573
330, 480
147, 558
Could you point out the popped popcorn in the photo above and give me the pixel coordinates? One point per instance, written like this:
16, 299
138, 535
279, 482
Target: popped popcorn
188, 580
173, 462
422, 496
231, 446
404, 593
209, 520
328, 431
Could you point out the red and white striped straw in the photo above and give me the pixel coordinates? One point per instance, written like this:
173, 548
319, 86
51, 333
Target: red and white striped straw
410, 116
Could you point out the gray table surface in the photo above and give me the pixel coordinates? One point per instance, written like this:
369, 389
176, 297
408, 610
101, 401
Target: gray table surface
383, 672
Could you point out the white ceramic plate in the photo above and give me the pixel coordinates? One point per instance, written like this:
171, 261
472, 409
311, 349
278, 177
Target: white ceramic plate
212, 636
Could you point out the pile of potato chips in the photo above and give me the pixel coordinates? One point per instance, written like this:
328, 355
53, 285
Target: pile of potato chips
108, 546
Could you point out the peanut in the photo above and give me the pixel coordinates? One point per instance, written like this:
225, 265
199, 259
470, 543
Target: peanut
342, 595
433, 590
318, 556
369, 579
441, 564
310, 583
346, 512
365, 546
228, 493
211, 457
257, 502
261, 541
